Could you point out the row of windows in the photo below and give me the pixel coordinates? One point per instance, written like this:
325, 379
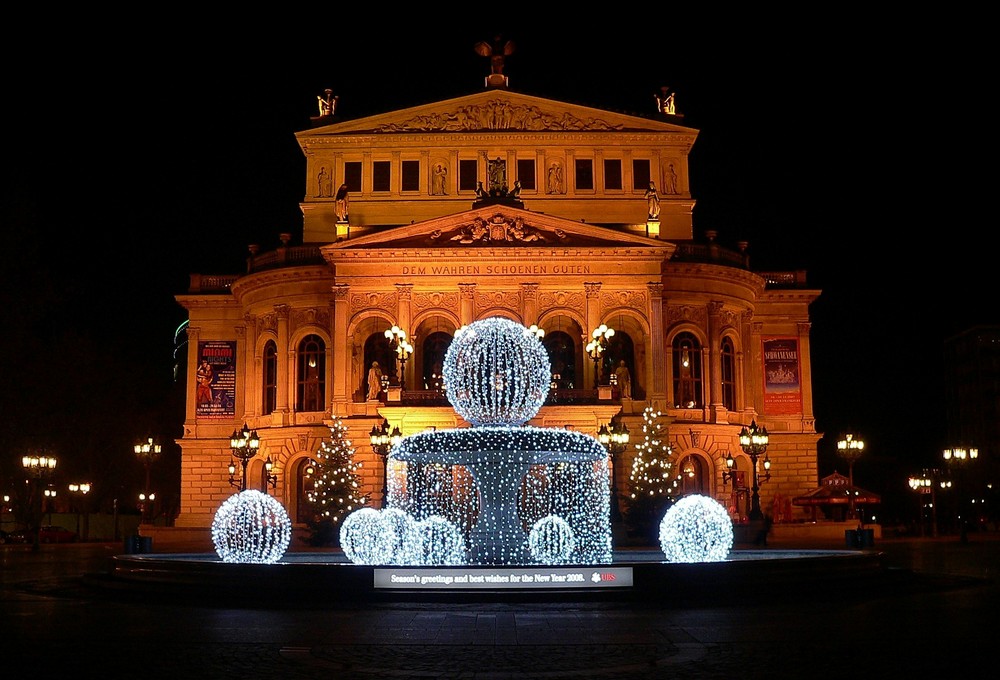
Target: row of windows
469, 175
311, 369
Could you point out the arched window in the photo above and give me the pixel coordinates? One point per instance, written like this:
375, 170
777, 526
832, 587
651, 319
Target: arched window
562, 357
269, 377
728, 354
435, 347
687, 372
311, 393
693, 477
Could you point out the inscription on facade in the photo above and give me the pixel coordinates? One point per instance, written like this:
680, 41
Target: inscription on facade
493, 269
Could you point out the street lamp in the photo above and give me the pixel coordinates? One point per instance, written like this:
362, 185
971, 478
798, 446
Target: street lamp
382, 442
403, 349
270, 478
960, 457
753, 441
850, 448
147, 451
599, 339
615, 440
38, 467
50, 494
245, 444
927, 483
82, 489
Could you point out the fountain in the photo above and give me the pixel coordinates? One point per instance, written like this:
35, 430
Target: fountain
518, 494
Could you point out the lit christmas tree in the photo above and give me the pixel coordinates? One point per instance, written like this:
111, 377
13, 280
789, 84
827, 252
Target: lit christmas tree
336, 490
652, 481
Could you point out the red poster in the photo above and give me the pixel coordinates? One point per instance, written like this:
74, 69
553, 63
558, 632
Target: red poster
782, 386
215, 379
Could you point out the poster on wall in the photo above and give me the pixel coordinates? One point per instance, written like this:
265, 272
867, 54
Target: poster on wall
782, 386
215, 387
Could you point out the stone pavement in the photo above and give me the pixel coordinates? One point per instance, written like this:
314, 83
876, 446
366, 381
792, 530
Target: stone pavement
938, 620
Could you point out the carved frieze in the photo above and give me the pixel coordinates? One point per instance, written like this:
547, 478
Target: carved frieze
436, 300
373, 300
498, 299
310, 317
497, 115
678, 313
497, 229
267, 322
559, 299
628, 299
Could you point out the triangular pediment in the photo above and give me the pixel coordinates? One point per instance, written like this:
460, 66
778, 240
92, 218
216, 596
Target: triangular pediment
496, 110
498, 226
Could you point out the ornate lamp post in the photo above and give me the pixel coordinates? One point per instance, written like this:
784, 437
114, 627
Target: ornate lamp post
38, 467
245, 444
961, 457
753, 441
403, 349
147, 451
599, 339
382, 442
927, 483
50, 494
850, 448
82, 489
615, 440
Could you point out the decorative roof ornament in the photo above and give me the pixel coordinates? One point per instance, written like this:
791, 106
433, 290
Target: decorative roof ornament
496, 51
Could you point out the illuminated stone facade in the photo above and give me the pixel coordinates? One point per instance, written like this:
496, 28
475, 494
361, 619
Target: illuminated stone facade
498, 204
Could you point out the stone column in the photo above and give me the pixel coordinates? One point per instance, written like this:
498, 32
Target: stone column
341, 351
468, 304
193, 337
657, 376
244, 364
254, 374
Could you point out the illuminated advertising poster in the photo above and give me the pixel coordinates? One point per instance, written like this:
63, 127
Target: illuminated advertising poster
782, 383
215, 379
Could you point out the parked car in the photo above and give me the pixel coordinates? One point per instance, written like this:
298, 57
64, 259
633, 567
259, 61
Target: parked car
48, 534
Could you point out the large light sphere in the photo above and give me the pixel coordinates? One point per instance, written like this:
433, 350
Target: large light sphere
551, 540
251, 527
496, 372
696, 529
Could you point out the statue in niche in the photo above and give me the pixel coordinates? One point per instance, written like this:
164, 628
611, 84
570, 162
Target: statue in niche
671, 179
497, 174
440, 180
325, 183
554, 183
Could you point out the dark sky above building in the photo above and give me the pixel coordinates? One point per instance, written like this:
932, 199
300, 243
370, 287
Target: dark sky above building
835, 145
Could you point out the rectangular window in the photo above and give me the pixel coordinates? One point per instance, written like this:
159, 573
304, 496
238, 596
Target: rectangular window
640, 174
612, 174
410, 175
526, 173
352, 176
584, 174
468, 175
381, 172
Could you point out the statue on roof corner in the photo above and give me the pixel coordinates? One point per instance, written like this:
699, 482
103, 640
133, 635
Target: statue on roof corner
665, 101
327, 103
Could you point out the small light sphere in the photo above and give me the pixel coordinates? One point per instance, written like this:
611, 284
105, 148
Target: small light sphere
496, 373
551, 540
696, 529
251, 527
436, 541
366, 539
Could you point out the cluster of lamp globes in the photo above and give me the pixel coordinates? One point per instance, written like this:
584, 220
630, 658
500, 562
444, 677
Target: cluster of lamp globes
253, 527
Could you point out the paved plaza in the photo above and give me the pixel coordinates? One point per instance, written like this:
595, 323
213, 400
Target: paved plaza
935, 617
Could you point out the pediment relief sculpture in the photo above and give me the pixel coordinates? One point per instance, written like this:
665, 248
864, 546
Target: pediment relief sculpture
497, 229
497, 114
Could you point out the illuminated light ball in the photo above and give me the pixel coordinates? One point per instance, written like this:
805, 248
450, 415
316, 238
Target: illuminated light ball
366, 539
398, 523
251, 527
436, 541
496, 372
551, 540
696, 529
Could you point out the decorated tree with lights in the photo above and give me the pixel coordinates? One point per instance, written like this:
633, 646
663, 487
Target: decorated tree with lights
336, 487
652, 481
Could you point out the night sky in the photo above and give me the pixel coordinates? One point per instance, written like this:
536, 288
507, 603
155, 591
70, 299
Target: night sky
132, 160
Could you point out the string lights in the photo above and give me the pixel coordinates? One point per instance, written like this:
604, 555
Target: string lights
696, 529
251, 527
